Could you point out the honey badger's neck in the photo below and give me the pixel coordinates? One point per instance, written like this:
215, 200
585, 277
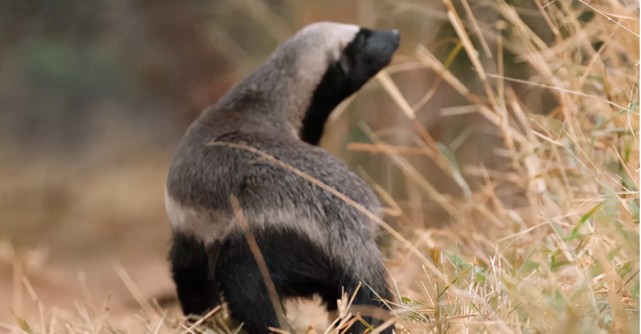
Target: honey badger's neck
310, 74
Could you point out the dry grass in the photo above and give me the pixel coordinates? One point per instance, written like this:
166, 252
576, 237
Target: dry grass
565, 259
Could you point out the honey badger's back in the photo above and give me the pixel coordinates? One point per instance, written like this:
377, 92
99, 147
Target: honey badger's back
204, 177
312, 241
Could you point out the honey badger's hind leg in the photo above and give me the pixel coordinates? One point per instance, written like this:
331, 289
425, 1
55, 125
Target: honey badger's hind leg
366, 282
297, 267
193, 274
369, 294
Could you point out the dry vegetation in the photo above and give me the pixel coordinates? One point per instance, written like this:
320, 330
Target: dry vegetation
546, 241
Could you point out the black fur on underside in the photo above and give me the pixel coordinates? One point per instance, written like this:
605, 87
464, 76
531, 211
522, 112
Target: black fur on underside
298, 268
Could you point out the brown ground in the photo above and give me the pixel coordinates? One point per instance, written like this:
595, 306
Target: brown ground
75, 247
67, 226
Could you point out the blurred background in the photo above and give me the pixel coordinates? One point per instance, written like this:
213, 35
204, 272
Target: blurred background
95, 94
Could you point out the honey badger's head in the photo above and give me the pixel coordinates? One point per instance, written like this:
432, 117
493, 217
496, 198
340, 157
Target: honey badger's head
308, 75
353, 56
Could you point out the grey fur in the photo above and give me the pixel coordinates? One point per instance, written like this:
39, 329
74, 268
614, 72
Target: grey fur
266, 111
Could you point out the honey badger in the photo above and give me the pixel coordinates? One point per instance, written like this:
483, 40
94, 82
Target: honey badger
312, 242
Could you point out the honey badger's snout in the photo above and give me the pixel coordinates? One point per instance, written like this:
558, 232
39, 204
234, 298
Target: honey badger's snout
382, 45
